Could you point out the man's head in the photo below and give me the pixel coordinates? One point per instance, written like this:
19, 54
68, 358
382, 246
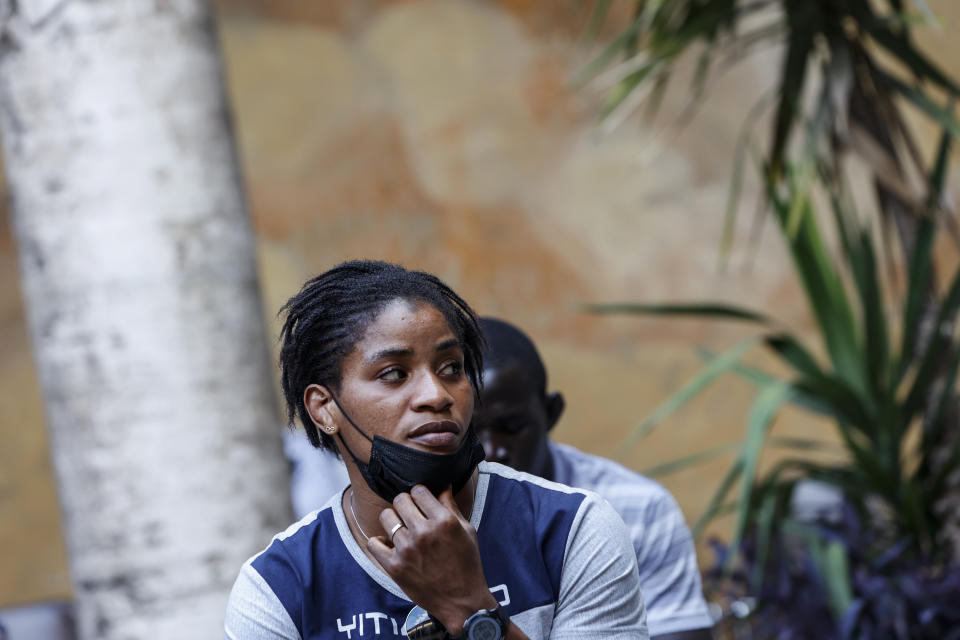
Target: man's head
515, 412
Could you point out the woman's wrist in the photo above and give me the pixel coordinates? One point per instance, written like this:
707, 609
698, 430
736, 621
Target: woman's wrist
453, 619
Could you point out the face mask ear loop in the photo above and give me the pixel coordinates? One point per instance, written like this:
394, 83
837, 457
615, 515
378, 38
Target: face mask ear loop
352, 424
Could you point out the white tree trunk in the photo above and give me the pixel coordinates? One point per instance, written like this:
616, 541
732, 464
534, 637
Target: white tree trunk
139, 274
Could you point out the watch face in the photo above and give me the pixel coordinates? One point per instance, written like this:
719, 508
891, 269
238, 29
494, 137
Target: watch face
485, 629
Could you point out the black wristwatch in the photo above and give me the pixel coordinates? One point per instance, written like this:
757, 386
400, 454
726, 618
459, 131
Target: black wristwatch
486, 624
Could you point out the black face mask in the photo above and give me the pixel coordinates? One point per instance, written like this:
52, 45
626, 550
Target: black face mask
394, 468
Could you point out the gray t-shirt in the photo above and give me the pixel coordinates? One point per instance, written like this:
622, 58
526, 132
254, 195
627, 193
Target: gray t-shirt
665, 552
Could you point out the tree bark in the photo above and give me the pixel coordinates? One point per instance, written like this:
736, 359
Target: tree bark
138, 270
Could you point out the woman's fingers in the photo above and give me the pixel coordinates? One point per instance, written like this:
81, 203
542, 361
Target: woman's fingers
430, 506
419, 513
382, 552
407, 511
447, 502
388, 518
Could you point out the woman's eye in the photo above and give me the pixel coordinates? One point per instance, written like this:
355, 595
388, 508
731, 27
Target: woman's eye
451, 369
393, 375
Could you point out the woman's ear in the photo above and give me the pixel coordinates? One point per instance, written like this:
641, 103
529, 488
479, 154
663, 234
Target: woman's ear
319, 402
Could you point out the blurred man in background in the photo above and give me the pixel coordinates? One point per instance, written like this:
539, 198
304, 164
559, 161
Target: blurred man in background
513, 420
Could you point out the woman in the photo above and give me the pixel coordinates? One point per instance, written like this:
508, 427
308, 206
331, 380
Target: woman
382, 365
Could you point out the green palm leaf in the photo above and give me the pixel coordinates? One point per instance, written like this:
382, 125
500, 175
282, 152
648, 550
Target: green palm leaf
682, 396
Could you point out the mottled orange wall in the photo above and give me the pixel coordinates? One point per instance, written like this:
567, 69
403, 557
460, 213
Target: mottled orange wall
445, 134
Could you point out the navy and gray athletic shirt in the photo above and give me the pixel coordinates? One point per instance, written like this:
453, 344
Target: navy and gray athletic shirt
559, 560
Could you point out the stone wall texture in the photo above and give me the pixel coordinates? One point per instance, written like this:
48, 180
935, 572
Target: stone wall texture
447, 135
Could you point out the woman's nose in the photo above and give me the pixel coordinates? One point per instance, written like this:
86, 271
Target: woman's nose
431, 393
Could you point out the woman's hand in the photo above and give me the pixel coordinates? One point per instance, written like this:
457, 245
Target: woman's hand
434, 556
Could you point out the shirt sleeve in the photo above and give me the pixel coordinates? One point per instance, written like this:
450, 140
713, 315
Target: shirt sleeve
599, 586
254, 612
667, 563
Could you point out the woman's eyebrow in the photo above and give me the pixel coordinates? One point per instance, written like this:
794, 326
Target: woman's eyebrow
447, 344
402, 352
393, 352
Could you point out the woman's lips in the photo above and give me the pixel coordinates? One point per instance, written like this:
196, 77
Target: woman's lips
439, 434
438, 439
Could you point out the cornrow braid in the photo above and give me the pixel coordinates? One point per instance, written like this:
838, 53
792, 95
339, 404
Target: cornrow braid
331, 313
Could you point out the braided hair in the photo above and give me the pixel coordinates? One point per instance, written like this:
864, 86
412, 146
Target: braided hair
331, 313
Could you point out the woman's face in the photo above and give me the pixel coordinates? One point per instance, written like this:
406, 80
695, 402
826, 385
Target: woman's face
405, 381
